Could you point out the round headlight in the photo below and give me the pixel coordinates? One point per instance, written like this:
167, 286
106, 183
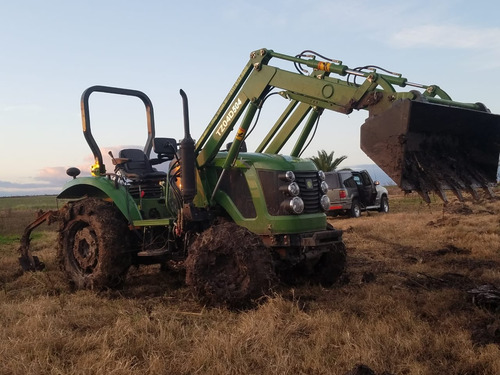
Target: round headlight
287, 176
321, 175
293, 189
324, 187
297, 205
325, 203
294, 205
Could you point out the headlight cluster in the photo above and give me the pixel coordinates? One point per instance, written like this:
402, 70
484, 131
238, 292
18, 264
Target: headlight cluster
324, 200
294, 204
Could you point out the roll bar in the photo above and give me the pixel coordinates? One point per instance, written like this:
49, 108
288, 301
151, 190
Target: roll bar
99, 167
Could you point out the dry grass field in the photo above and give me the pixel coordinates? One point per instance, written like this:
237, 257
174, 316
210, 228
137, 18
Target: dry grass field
403, 307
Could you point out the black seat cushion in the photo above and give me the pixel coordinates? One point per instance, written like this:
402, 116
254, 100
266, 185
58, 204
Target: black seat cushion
138, 165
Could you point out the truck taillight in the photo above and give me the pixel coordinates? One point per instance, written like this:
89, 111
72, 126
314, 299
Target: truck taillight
342, 194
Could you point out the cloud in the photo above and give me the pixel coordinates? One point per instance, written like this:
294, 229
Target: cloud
447, 36
50, 180
54, 176
8, 188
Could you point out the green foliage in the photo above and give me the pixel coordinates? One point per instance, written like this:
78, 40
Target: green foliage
326, 162
12, 238
5, 240
17, 212
36, 202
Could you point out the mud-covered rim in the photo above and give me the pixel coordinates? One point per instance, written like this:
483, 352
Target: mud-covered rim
83, 247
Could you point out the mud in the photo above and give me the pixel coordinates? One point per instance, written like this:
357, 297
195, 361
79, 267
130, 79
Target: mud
448, 280
451, 249
485, 331
229, 265
361, 369
486, 296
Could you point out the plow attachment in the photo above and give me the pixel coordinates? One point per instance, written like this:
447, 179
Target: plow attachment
27, 261
427, 147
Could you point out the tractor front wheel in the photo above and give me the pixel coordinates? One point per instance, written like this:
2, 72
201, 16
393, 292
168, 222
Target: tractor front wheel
330, 266
93, 244
228, 265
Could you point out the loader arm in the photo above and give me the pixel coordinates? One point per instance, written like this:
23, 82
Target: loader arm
421, 138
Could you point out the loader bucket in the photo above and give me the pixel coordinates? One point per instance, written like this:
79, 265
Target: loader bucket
427, 147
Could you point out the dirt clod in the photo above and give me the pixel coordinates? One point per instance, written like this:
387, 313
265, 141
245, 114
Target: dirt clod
451, 249
486, 296
361, 369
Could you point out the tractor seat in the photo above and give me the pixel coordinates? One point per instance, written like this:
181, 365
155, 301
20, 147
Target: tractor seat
136, 166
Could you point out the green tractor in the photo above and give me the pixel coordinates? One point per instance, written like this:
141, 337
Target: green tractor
237, 221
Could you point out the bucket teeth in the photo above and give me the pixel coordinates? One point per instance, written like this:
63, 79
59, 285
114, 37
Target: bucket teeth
425, 174
458, 193
472, 191
489, 191
425, 196
456, 187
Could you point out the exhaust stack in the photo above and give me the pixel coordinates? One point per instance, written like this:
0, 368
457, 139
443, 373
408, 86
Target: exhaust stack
188, 177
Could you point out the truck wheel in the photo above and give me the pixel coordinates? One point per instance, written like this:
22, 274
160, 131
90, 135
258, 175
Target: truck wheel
93, 242
229, 266
384, 205
355, 210
330, 266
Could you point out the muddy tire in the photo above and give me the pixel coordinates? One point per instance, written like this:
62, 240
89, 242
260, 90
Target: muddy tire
330, 266
93, 244
228, 265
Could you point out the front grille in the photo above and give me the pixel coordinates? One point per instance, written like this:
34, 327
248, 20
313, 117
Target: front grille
309, 190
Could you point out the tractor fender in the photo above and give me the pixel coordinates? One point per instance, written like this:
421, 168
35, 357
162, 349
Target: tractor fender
103, 188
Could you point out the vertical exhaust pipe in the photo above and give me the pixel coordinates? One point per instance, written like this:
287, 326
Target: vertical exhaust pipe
188, 177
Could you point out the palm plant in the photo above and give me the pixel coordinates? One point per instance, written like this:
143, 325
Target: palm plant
326, 162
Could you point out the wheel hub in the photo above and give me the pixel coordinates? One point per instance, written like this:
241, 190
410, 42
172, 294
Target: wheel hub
85, 249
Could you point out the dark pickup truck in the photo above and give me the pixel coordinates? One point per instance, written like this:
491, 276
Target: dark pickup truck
352, 192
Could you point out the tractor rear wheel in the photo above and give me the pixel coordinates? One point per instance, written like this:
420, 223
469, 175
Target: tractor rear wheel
228, 265
93, 244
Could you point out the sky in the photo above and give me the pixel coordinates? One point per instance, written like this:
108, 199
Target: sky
53, 50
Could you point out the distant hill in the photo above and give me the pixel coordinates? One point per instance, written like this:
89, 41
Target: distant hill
375, 172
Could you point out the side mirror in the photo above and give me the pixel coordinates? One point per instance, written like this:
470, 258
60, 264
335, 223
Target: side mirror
166, 148
73, 172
